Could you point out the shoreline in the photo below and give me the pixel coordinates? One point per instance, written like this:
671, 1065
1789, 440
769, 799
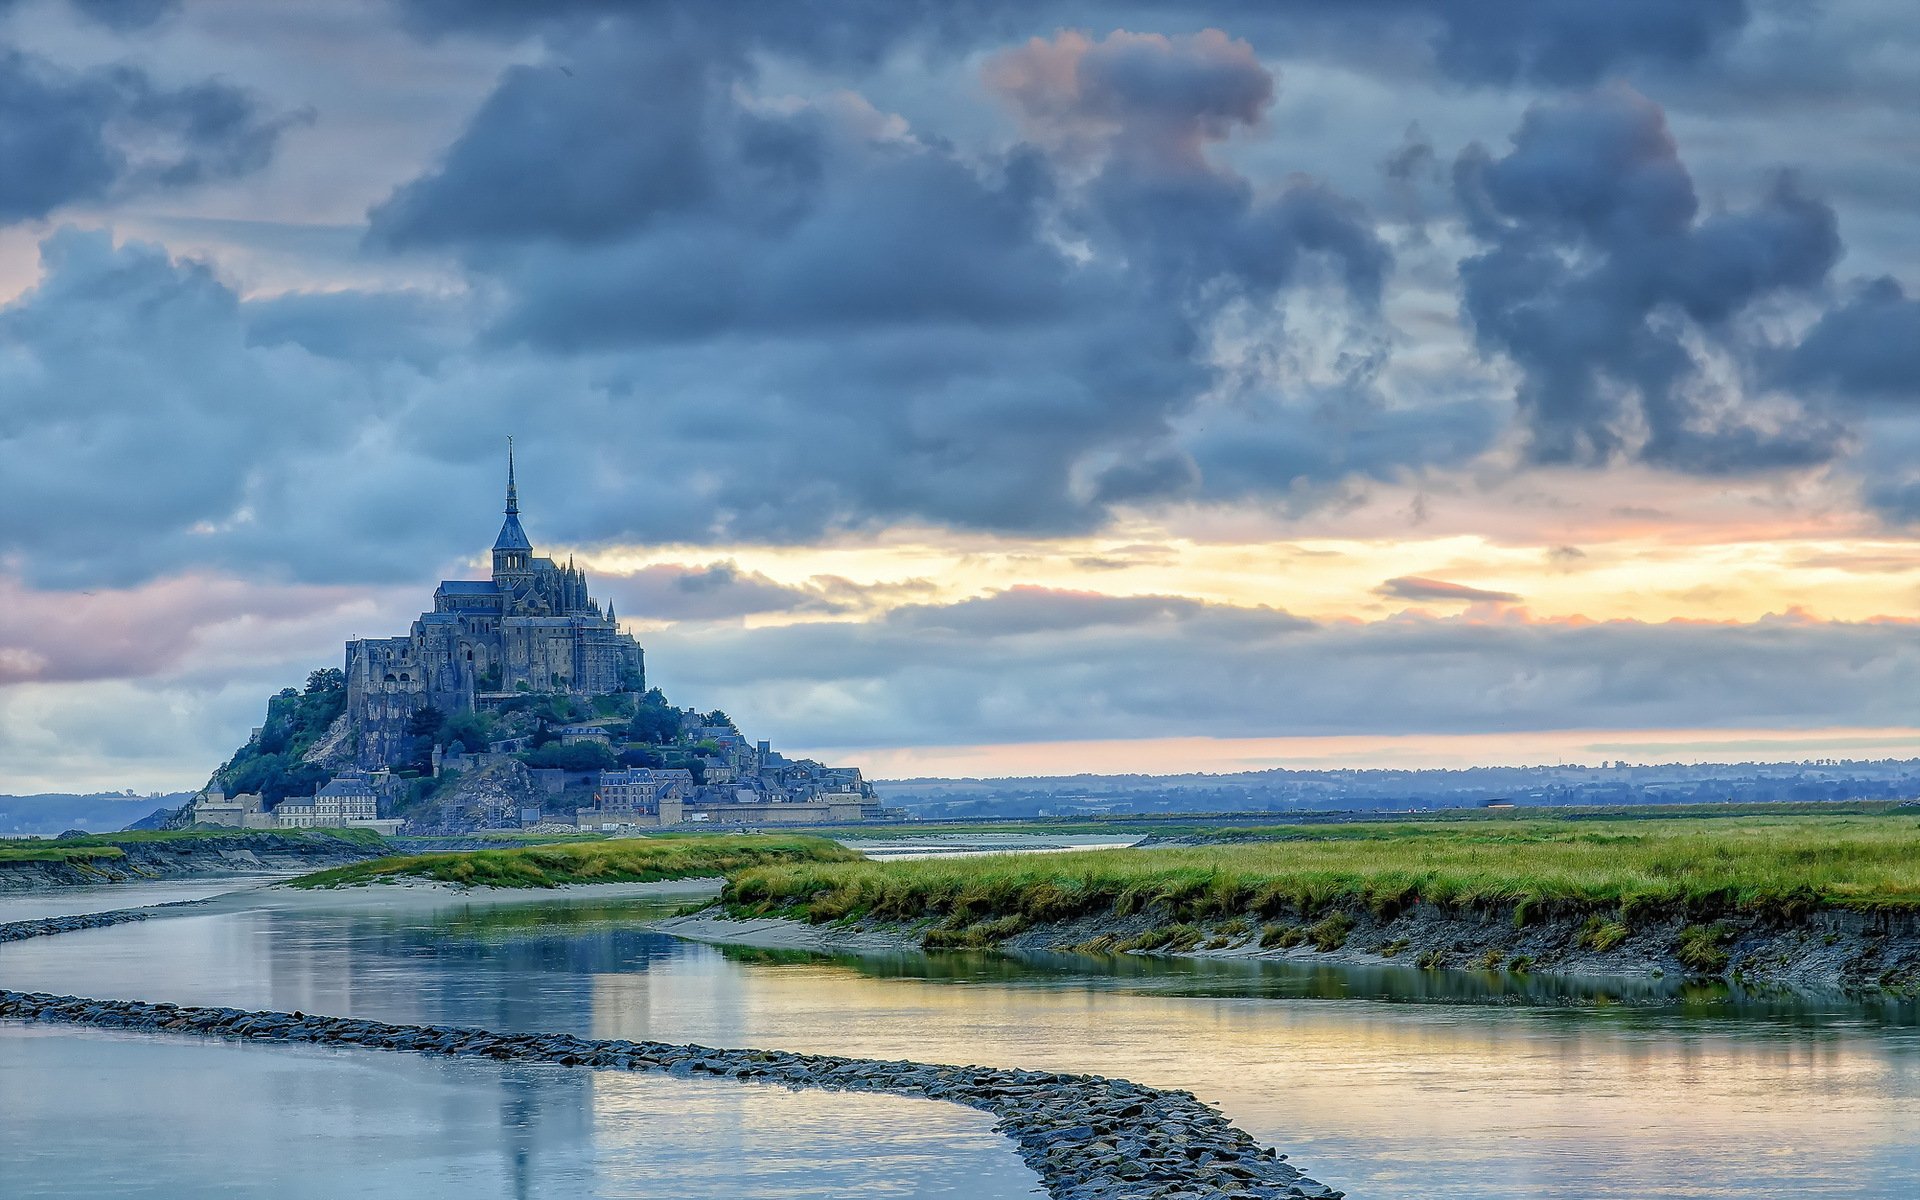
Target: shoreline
1827, 952
212, 856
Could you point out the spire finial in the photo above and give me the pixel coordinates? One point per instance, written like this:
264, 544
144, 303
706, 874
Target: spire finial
513, 496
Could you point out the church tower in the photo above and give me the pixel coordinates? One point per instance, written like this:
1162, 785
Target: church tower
512, 552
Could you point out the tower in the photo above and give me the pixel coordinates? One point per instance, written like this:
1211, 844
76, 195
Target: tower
512, 552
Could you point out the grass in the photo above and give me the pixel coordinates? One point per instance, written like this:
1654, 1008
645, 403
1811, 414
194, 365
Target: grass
1703, 948
623, 860
55, 852
1785, 864
93, 847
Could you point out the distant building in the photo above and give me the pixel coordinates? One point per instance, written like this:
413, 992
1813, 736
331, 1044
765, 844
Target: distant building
245, 811
348, 801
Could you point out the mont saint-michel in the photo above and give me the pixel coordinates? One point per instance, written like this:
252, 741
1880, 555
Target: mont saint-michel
516, 701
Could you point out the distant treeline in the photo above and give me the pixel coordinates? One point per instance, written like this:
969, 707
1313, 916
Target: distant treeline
52, 813
1302, 791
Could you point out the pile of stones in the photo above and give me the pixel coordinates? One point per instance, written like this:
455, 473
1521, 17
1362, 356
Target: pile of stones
14, 931
1088, 1137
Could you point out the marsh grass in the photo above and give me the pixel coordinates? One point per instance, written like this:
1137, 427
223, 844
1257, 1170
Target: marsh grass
92, 847
56, 853
1702, 949
626, 860
1619, 870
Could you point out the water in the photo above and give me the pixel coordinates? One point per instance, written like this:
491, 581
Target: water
68, 902
973, 845
1385, 1082
93, 1114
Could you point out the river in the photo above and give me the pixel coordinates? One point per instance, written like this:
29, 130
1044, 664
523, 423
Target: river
1385, 1083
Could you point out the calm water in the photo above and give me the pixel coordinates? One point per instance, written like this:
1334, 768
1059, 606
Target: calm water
99, 1114
1381, 1082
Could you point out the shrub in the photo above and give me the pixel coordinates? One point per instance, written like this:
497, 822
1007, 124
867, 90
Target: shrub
1702, 949
1601, 934
1330, 932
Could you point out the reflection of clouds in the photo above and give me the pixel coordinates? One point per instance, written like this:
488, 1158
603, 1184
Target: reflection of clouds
1379, 1098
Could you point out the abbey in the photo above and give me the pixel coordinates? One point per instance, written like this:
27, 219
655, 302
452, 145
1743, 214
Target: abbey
530, 628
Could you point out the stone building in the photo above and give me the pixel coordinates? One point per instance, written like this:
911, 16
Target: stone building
244, 811
346, 799
531, 627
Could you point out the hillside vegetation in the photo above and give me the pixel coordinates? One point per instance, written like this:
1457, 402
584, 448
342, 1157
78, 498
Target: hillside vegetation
1782, 865
622, 860
273, 762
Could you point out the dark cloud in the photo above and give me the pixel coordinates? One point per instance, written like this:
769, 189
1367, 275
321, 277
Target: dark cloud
1002, 342
147, 436
1602, 282
85, 136
1416, 587
125, 16
1557, 42
1037, 666
361, 327
1867, 349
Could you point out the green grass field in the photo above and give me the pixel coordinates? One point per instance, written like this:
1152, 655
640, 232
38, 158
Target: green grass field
56, 852
625, 860
98, 846
1783, 863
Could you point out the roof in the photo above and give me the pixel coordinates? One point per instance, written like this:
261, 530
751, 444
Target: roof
343, 785
468, 587
512, 537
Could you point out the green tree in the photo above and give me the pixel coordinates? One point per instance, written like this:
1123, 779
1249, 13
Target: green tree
633, 755
329, 679
656, 723
471, 730
426, 722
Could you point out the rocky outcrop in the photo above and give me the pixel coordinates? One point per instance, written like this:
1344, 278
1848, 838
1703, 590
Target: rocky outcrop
334, 748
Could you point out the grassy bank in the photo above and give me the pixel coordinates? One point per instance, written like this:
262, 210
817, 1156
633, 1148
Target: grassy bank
626, 860
1616, 869
56, 852
97, 847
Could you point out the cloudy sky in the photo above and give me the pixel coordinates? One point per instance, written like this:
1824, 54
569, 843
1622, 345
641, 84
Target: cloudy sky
978, 387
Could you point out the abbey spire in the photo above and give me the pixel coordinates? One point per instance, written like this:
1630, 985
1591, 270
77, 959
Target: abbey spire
512, 552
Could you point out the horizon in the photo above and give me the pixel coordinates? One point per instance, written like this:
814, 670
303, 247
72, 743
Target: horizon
1015, 392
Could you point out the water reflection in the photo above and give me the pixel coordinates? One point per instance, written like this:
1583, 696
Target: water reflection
90, 1114
1387, 1082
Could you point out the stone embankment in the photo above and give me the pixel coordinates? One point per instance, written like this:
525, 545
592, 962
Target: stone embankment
1087, 1136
